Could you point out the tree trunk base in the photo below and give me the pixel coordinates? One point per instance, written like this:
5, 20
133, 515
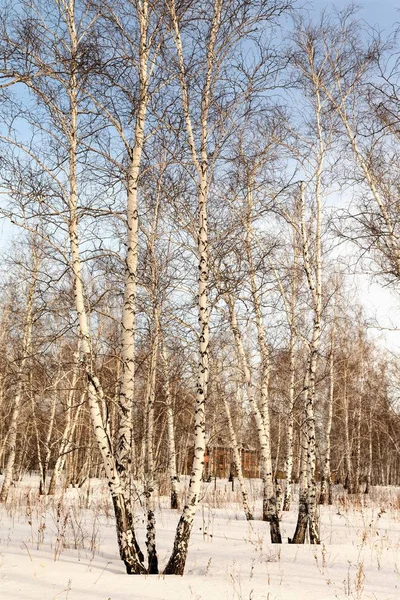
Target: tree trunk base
152, 563
174, 500
129, 550
302, 523
270, 514
275, 531
152, 557
177, 561
313, 531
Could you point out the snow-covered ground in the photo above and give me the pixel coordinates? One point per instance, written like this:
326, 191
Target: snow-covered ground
65, 549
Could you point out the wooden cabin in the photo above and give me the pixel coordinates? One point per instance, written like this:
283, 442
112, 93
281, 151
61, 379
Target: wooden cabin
219, 462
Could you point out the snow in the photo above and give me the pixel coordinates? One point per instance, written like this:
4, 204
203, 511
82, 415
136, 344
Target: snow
64, 548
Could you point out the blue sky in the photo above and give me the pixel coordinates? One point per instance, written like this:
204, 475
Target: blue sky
383, 13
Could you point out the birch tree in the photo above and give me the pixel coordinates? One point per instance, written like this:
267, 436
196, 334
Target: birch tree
156, 308
60, 93
172, 466
269, 501
359, 82
21, 376
311, 68
326, 482
133, 35
225, 26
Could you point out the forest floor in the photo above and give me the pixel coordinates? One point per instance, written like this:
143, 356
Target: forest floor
64, 548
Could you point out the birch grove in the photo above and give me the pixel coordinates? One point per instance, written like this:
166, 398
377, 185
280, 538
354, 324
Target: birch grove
178, 305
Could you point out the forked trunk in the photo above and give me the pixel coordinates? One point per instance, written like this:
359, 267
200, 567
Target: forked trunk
115, 469
129, 550
177, 561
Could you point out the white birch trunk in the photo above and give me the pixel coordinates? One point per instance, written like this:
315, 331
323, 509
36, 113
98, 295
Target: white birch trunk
315, 288
37, 438
290, 305
303, 516
326, 483
177, 561
238, 461
149, 483
47, 445
349, 470
12, 441
149, 486
270, 512
66, 440
370, 450
313, 270
173, 475
69, 428
265, 450
3, 445
290, 428
129, 550
358, 417
125, 452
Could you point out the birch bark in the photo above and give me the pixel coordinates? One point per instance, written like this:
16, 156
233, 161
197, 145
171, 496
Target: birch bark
326, 482
269, 500
290, 304
50, 427
149, 488
315, 284
128, 547
125, 445
173, 474
349, 470
303, 513
370, 450
238, 459
270, 512
358, 419
176, 563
